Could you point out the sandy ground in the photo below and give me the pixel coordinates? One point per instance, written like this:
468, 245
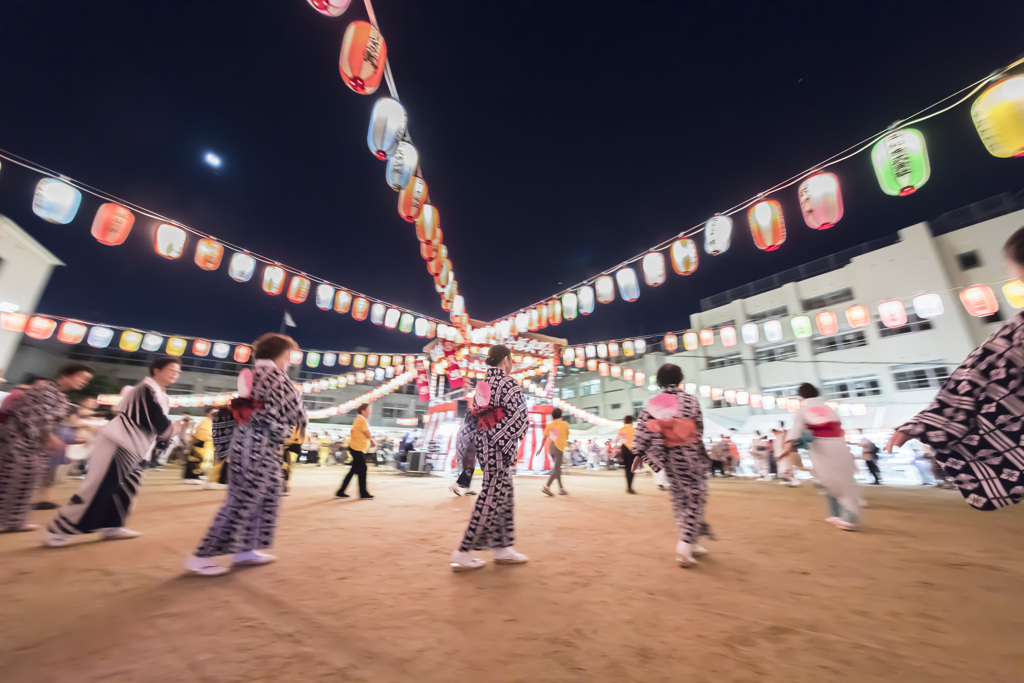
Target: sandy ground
929, 591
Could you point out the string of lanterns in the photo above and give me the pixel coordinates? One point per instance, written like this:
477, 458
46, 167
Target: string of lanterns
58, 198
101, 336
368, 397
899, 157
363, 64
978, 300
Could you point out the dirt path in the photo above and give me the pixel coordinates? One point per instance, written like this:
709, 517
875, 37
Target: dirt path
930, 591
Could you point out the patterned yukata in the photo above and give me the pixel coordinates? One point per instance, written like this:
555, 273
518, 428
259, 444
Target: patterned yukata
976, 422
29, 420
465, 449
116, 462
248, 518
492, 524
686, 466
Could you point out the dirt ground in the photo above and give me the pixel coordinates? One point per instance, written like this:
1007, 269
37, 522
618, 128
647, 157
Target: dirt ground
930, 590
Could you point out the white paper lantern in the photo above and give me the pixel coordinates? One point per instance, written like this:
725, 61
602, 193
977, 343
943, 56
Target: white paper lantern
241, 267
928, 305
717, 234
402, 165
388, 124
55, 201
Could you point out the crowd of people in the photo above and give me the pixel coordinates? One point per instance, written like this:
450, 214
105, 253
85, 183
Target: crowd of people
970, 437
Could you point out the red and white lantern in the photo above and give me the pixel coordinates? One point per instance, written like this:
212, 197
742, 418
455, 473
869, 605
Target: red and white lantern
767, 225
821, 200
363, 56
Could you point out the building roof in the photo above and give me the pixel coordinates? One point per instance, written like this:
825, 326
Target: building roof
11, 229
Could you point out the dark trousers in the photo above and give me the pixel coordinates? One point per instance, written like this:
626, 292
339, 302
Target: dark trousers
627, 460
717, 466
358, 468
873, 469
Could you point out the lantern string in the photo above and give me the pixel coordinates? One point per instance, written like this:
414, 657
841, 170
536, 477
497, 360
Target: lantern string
418, 354
339, 408
42, 170
847, 153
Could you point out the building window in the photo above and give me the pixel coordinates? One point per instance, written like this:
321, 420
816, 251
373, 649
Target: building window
773, 354
914, 324
591, 388
715, 362
568, 392
592, 410
840, 296
846, 340
781, 390
851, 387
616, 406
909, 378
720, 403
968, 260
638, 407
777, 312
392, 411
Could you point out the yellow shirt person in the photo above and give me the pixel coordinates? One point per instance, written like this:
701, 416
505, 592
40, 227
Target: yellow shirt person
557, 432
360, 439
626, 436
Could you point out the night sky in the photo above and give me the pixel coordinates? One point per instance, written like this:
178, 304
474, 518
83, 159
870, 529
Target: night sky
557, 138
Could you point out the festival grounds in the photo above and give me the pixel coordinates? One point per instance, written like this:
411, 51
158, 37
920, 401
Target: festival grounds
930, 590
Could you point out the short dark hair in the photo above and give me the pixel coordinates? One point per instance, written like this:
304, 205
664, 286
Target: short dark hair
669, 375
210, 409
73, 369
30, 379
497, 354
362, 407
271, 345
1014, 247
161, 363
807, 390
628, 420
556, 413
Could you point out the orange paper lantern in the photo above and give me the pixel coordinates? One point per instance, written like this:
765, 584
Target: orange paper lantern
360, 308
298, 289
201, 347
828, 323
342, 301
13, 322
858, 316
707, 337
363, 56
71, 333
242, 354
40, 328
273, 280
112, 224
979, 300
767, 225
671, 342
892, 313
411, 199
209, 254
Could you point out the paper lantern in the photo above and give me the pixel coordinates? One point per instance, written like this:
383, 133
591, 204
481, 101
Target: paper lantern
360, 308
729, 395
828, 323
755, 400
653, 266
100, 337
391, 318
901, 163
71, 333
344, 358
717, 235
767, 225
704, 390
707, 337
772, 331
388, 125
627, 349
858, 316
330, 8
570, 306
428, 224
751, 334
170, 241
590, 350
858, 409
330, 360
363, 57
385, 361
568, 355
683, 253
405, 323
411, 199
273, 280
1014, 293
209, 254
152, 342
402, 165
821, 201
928, 306
313, 359
613, 349
716, 393
629, 285
324, 297
241, 267
112, 224
55, 201
542, 315
585, 294
13, 321
998, 114
295, 357
768, 402
690, 341
979, 301
728, 335
892, 313
670, 342
640, 346
592, 364
616, 371
639, 378
427, 251
342, 301
604, 286
221, 350
130, 341
555, 311
200, 347
801, 325
176, 346
377, 311
602, 368
627, 374
421, 326
39, 327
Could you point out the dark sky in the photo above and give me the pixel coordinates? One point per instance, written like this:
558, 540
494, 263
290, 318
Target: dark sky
557, 139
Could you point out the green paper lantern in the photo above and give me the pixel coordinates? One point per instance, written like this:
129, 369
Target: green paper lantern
901, 163
802, 327
313, 359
